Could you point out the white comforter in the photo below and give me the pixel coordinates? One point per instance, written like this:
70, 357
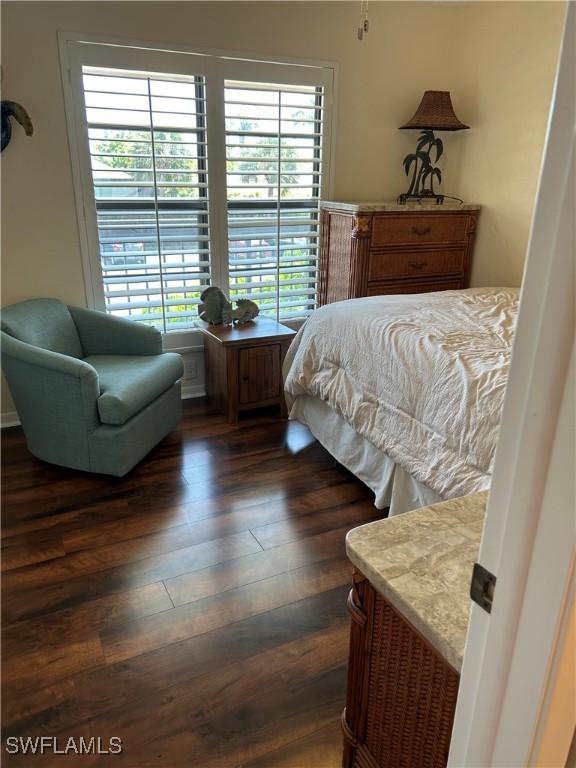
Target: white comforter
422, 377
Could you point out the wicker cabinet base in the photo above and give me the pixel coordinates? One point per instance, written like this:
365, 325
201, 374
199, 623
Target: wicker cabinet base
401, 693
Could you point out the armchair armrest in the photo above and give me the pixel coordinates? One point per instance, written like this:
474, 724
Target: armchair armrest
43, 382
55, 362
102, 334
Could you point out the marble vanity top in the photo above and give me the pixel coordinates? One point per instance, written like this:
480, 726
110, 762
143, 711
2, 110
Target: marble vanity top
392, 205
421, 561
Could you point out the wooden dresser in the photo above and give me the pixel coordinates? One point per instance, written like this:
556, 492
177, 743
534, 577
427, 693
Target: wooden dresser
409, 606
369, 249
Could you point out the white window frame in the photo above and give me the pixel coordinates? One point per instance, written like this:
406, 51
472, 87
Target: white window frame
77, 50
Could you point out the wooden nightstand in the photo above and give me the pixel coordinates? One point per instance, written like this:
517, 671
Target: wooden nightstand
244, 365
370, 249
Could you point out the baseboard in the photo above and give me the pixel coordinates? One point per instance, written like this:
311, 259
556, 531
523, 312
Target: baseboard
193, 390
10, 418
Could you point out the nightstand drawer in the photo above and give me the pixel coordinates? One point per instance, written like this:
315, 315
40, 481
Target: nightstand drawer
382, 288
415, 230
259, 374
384, 264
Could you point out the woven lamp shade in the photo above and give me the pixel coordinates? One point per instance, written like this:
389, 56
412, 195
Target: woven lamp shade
435, 113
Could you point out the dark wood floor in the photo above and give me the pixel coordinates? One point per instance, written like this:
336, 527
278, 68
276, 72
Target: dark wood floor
196, 609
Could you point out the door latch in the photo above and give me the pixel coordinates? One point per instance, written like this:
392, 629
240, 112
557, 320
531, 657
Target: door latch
482, 587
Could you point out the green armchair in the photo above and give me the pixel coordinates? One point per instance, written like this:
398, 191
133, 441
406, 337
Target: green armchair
93, 391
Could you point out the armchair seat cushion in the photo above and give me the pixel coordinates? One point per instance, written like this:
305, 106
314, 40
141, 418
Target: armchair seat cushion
129, 383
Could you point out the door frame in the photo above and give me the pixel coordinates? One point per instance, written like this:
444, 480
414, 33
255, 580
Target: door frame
529, 530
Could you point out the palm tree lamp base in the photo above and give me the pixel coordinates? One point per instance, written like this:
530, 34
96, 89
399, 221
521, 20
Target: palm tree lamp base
419, 166
425, 196
435, 113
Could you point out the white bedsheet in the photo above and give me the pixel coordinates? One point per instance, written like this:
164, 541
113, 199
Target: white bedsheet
422, 377
393, 488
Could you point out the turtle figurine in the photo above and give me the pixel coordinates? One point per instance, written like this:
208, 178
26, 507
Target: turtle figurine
245, 312
217, 310
214, 305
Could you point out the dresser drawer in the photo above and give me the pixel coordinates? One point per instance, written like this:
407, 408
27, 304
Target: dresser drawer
385, 264
382, 288
418, 229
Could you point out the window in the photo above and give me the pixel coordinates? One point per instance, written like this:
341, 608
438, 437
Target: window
273, 174
197, 170
147, 141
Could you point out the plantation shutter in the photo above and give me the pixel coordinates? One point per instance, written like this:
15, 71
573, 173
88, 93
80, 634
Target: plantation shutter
194, 169
273, 181
148, 152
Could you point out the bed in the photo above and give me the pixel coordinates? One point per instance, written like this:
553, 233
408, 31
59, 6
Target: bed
407, 391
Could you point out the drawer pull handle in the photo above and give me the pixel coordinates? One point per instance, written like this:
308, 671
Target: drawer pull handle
421, 230
355, 608
418, 264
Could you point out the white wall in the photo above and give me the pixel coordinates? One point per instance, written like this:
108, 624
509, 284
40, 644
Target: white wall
411, 46
505, 57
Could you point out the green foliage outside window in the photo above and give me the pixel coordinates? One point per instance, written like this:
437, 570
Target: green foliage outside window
134, 158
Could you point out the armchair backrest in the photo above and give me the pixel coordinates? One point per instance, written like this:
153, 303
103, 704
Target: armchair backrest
45, 323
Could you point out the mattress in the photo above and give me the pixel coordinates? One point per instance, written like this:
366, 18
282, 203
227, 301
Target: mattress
420, 377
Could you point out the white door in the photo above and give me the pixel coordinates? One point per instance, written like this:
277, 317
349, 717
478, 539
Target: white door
528, 541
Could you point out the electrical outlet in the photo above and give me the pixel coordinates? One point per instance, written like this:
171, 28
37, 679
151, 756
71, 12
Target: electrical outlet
190, 369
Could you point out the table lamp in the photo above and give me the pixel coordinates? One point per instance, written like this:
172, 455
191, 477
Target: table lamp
435, 113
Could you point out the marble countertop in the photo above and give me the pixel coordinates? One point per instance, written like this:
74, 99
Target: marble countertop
422, 561
392, 205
